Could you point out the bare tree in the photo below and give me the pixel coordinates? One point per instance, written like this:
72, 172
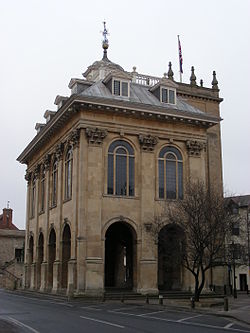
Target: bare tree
205, 222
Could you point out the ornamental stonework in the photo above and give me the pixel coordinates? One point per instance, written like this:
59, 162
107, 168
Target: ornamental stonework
74, 137
95, 135
195, 147
47, 161
28, 176
36, 172
59, 150
147, 142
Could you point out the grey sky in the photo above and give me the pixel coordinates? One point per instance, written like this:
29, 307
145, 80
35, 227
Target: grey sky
44, 43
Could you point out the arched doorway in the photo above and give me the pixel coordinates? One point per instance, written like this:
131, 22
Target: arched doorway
52, 256
66, 253
39, 259
170, 249
120, 256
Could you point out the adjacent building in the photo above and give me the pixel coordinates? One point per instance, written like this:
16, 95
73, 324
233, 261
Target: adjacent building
11, 251
118, 149
238, 245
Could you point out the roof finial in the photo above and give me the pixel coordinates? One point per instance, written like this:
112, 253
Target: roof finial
215, 82
8, 204
105, 42
170, 72
192, 77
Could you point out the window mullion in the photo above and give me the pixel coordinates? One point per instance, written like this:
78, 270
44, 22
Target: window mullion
114, 173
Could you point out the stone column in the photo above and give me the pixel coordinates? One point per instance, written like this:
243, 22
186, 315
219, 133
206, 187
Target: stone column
197, 161
27, 262
74, 140
56, 276
148, 260
33, 276
71, 275
44, 268
94, 258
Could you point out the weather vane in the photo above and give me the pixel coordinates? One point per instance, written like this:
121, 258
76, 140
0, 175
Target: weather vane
105, 42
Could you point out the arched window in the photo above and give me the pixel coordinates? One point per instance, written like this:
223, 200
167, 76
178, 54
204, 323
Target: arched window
33, 197
170, 173
42, 190
121, 169
54, 183
68, 173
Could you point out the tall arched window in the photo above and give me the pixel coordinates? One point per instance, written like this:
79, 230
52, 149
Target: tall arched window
170, 173
68, 173
54, 183
42, 190
121, 169
33, 197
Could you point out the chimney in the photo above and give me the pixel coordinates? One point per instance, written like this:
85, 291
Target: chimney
7, 217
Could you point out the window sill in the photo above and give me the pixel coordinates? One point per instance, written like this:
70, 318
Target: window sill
120, 196
162, 199
41, 212
53, 206
67, 200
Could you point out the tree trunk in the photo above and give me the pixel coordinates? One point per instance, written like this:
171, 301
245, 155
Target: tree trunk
196, 290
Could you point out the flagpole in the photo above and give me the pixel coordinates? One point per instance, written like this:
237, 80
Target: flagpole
180, 58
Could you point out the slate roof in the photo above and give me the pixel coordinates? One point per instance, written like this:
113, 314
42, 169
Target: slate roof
240, 200
139, 94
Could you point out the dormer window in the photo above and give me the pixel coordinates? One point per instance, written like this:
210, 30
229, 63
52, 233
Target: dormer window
167, 96
120, 88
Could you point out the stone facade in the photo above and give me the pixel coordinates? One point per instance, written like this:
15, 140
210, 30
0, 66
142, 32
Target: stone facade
95, 234
11, 257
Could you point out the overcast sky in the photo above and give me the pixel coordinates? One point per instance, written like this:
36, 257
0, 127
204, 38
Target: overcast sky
44, 43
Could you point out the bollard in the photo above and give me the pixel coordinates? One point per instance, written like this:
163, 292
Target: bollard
225, 289
161, 299
247, 289
225, 303
147, 299
192, 301
122, 298
103, 297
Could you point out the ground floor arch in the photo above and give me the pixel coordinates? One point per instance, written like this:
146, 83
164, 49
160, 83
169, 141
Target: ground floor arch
66, 252
120, 256
40, 258
170, 268
52, 256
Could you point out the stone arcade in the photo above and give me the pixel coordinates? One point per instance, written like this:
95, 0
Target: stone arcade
121, 146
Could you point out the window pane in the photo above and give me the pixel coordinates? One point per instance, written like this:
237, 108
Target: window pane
161, 179
121, 143
131, 176
121, 151
121, 175
171, 97
124, 88
180, 181
164, 95
170, 149
171, 179
116, 87
110, 174
170, 156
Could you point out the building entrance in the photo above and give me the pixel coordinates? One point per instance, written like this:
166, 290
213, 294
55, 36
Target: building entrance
170, 243
120, 256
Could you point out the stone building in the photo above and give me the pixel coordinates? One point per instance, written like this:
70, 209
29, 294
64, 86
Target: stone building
11, 251
118, 148
238, 243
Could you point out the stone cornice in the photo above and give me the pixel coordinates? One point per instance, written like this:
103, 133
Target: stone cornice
137, 110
